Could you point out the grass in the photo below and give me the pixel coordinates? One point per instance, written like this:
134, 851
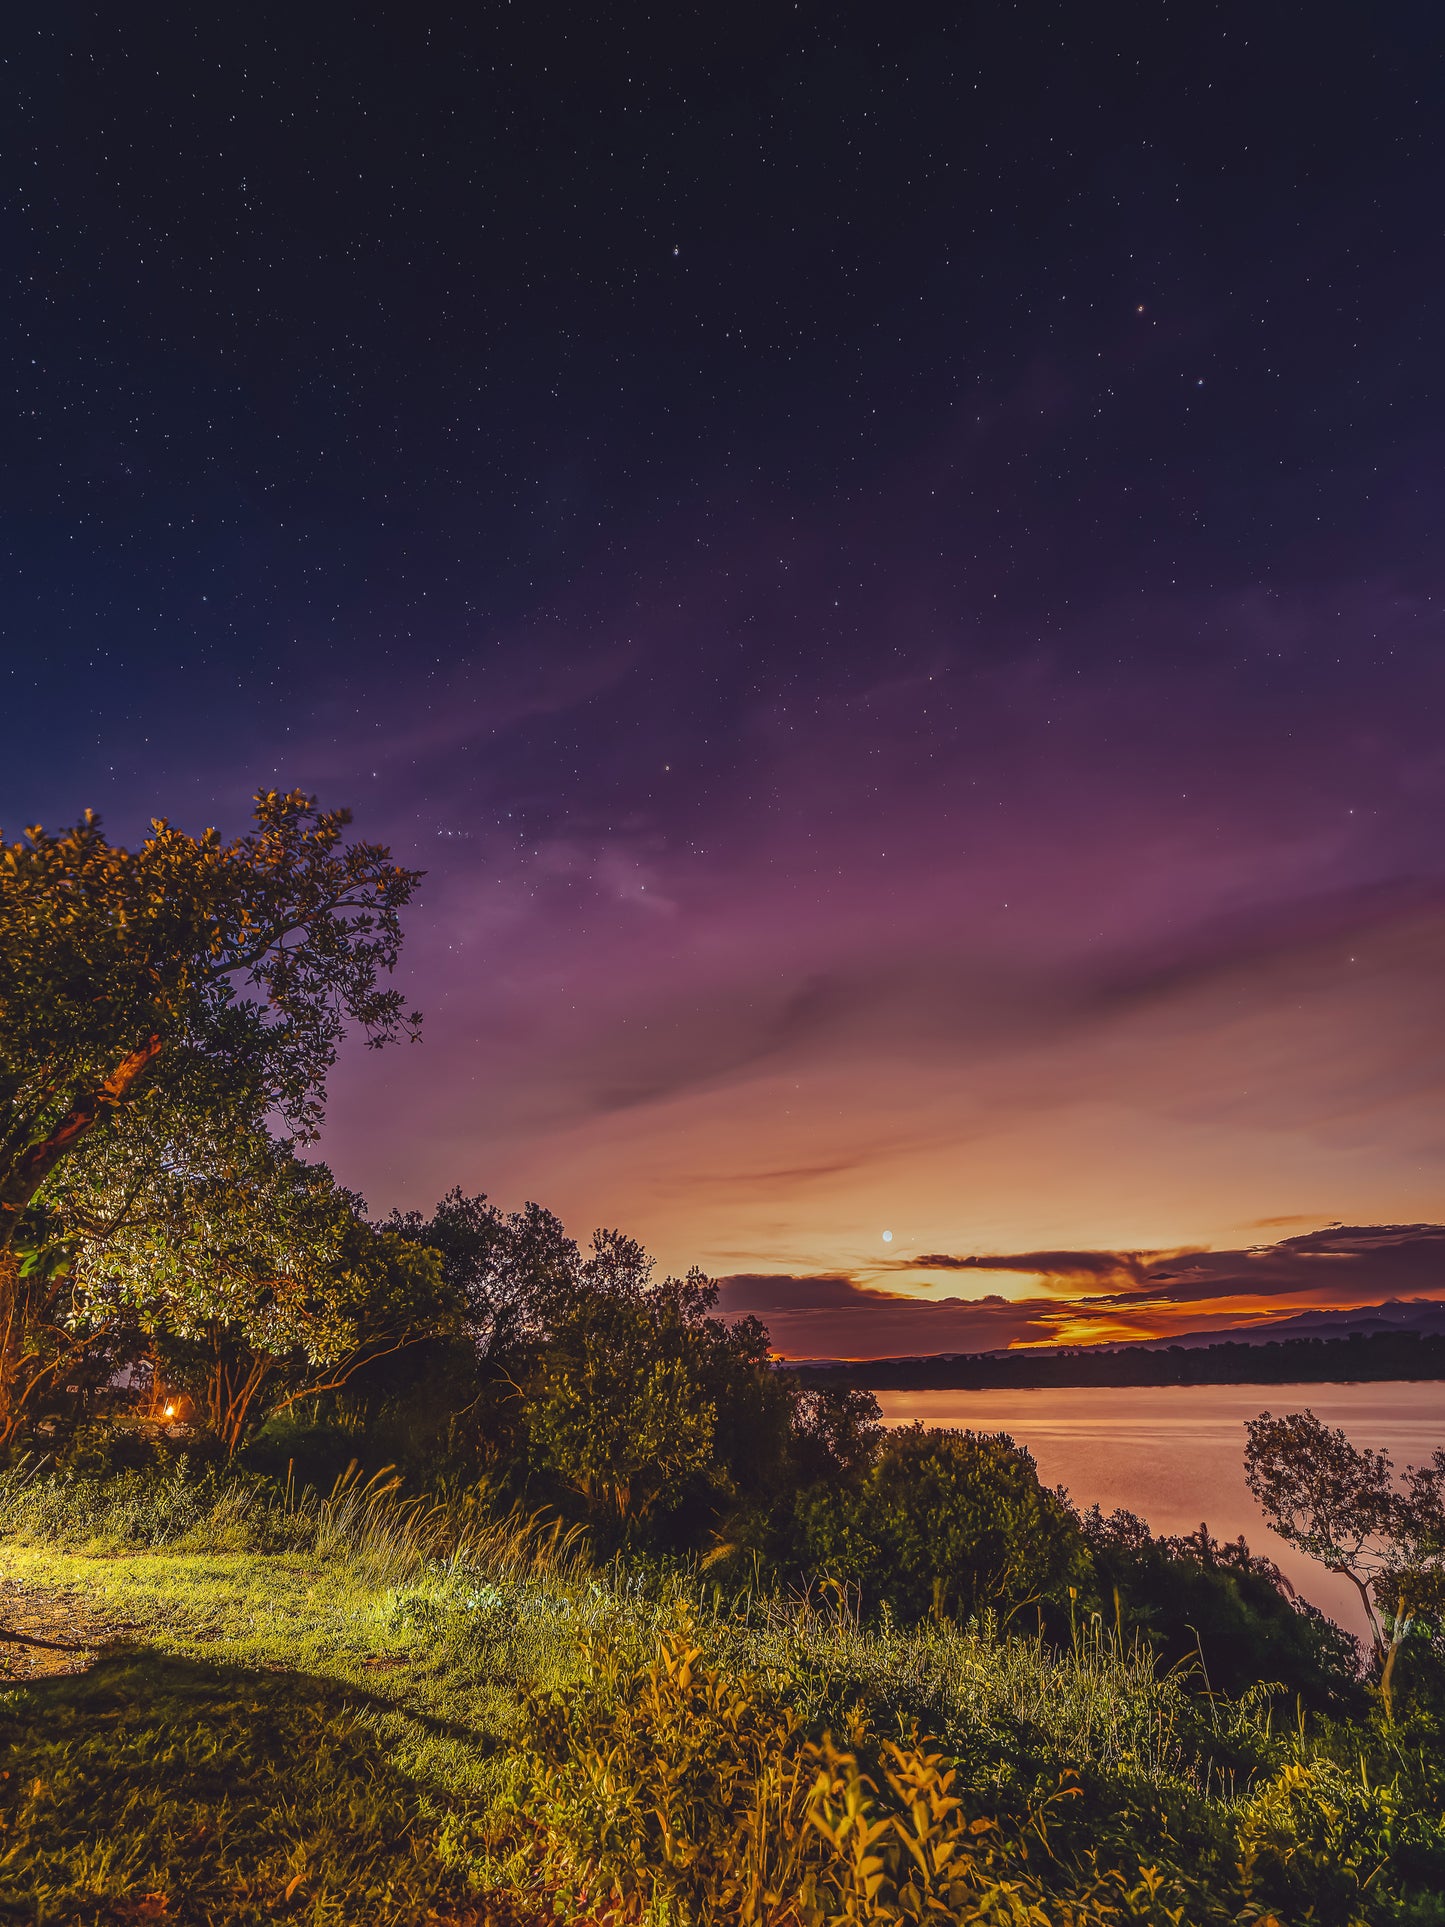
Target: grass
153, 1787
369, 1707
312, 1733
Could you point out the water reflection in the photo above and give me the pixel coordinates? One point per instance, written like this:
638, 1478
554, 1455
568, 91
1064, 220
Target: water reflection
1175, 1453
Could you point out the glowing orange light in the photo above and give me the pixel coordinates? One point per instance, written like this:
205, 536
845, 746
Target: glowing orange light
170, 1411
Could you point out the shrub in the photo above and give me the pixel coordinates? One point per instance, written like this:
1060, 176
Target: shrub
682, 1792
951, 1523
676, 1790
1220, 1607
201, 1512
1319, 1842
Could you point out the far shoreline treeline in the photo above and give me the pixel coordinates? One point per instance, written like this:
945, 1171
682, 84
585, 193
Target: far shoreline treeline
1358, 1358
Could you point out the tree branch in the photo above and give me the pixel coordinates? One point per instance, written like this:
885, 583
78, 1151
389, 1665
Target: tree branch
343, 1376
33, 1166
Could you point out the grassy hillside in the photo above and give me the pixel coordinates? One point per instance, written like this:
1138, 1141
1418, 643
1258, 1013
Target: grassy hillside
257, 1707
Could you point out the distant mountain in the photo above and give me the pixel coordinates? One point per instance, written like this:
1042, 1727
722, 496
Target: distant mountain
1423, 1316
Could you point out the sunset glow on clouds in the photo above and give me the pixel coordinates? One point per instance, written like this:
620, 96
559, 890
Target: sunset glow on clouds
1340, 1268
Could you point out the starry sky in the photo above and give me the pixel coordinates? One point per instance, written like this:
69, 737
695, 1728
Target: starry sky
885, 561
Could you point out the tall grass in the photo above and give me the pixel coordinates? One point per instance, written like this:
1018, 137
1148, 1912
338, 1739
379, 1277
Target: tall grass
372, 1526
447, 1565
1101, 1700
135, 1509
367, 1524
686, 1790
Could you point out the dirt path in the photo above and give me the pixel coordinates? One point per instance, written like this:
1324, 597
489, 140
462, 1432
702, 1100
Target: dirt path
47, 1630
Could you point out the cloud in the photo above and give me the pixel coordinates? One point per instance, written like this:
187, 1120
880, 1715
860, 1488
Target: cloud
1340, 1264
1337, 1264
1060, 1270
832, 1315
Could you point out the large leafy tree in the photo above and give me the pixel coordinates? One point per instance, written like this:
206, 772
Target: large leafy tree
259, 1283
204, 982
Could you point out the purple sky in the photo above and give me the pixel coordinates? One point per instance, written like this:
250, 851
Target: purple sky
889, 573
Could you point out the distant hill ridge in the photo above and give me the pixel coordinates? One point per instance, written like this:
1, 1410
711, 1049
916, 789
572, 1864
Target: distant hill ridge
1400, 1339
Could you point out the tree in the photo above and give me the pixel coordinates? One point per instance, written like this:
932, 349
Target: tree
1339, 1503
208, 979
512, 1272
260, 1283
953, 1522
616, 1407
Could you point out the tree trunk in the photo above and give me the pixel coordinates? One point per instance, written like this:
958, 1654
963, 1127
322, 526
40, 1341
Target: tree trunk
231, 1388
12, 1323
20, 1180
22, 1369
1398, 1633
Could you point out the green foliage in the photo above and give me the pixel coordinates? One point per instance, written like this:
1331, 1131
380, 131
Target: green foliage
157, 1007
622, 1739
950, 1522
1011, 1706
674, 1789
104, 951
503, 1270
1217, 1607
176, 1506
256, 1283
1315, 1840
622, 1401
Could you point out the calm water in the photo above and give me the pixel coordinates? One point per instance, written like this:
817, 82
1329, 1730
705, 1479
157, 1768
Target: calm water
1175, 1454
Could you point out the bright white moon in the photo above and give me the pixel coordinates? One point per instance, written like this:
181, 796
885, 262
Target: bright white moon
888, 1237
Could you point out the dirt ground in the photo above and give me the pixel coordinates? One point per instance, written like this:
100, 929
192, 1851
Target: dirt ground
46, 1632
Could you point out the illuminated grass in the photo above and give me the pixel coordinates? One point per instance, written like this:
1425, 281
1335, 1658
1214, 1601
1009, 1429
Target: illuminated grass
161, 1788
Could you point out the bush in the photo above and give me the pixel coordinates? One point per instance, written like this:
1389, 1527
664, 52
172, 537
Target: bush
176, 1507
1316, 1840
681, 1792
1221, 1608
951, 1523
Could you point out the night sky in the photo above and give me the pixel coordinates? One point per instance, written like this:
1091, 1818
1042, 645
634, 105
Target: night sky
886, 561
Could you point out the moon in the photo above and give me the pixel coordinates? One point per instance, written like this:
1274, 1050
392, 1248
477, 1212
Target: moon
888, 1237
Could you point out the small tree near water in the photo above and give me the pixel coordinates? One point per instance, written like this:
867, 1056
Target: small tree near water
1339, 1503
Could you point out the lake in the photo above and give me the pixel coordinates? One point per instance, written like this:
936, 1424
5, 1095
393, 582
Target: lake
1175, 1454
